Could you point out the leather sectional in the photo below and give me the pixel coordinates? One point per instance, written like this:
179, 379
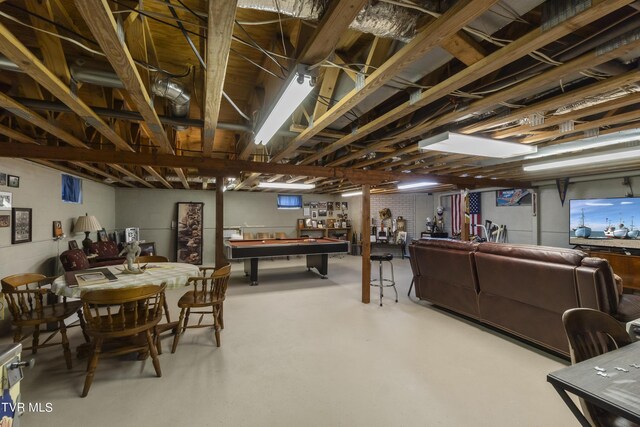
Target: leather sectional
521, 289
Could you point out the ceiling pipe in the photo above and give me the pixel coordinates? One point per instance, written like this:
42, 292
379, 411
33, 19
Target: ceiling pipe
132, 116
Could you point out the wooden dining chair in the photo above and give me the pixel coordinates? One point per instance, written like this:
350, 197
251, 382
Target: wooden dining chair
113, 314
207, 271
151, 258
208, 292
32, 305
590, 334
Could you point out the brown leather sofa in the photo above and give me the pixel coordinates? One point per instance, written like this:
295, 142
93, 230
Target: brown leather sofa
521, 289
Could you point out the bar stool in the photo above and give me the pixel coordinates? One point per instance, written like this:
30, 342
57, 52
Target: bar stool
380, 281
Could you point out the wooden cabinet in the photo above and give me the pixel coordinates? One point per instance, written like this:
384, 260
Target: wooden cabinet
339, 232
625, 266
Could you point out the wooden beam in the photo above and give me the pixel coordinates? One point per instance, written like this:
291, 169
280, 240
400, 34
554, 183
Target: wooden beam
13, 134
609, 106
30, 64
366, 244
326, 91
231, 167
335, 21
600, 86
98, 17
534, 40
219, 31
463, 47
50, 46
220, 258
459, 15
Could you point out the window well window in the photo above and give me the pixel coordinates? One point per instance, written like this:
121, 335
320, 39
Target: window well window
71, 189
288, 201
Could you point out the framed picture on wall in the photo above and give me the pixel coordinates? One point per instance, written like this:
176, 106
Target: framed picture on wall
3, 179
513, 197
5, 220
20, 225
57, 229
14, 181
5, 201
189, 233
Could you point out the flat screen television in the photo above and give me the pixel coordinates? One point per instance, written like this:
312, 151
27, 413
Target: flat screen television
611, 222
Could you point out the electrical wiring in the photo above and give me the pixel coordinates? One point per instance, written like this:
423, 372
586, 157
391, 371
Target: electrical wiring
256, 45
143, 64
284, 47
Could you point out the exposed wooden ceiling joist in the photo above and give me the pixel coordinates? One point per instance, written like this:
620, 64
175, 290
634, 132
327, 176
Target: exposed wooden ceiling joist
98, 17
219, 31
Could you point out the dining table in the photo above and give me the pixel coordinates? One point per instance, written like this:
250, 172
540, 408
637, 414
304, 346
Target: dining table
173, 274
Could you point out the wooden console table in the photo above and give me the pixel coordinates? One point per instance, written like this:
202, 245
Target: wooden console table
625, 266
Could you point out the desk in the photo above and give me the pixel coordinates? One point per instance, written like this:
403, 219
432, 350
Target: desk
316, 250
619, 393
174, 274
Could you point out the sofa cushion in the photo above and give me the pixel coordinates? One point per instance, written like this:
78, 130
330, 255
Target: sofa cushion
543, 284
540, 253
74, 259
107, 249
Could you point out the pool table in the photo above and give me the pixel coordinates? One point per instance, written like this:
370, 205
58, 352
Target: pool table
316, 250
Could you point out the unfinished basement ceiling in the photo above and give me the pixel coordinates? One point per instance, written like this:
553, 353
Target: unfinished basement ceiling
502, 69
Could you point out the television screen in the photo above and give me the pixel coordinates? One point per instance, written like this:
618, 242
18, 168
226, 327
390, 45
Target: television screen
611, 222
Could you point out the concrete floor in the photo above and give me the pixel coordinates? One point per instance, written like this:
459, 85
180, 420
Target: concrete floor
301, 351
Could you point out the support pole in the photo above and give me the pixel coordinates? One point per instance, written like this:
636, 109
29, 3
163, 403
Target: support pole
366, 245
219, 243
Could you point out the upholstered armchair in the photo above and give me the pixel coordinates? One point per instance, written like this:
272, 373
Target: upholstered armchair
75, 259
106, 252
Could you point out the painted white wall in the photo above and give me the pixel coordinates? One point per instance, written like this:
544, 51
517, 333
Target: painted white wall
154, 212
41, 190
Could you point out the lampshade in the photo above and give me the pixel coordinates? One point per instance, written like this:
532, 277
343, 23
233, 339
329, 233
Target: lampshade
86, 223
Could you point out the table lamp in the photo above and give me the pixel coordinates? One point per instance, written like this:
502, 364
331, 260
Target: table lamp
86, 224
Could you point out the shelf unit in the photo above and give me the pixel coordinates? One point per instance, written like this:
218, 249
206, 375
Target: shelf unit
325, 232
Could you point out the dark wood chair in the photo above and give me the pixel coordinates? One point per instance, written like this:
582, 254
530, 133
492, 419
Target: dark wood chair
114, 314
32, 305
207, 271
592, 333
208, 292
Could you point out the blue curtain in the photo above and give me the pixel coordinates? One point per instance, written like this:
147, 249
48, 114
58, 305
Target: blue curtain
71, 189
286, 201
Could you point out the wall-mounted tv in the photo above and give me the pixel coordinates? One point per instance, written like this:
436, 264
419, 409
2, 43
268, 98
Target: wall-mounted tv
613, 222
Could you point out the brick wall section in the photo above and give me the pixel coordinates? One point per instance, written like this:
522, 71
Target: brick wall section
400, 205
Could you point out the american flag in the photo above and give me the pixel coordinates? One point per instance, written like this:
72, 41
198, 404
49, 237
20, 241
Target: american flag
456, 209
474, 213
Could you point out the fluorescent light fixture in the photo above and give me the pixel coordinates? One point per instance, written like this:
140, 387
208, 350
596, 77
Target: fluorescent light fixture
352, 193
588, 143
286, 186
451, 142
584, 160
416, 185
297, 87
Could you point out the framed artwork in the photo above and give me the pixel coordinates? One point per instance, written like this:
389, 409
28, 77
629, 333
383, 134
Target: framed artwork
307, 223
345, 206
3, 179
102, 235
322, 212
189, 234
314, 224
313, 205
73, 244
21, 222
57, 229
14, 181
5, 201
301, 223
314, 214
148, 248
513, 197
322, 205
329, 206
131, 234
5, 220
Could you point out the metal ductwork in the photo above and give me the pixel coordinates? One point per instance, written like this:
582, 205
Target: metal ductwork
164, 87
377, 18
176, 93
